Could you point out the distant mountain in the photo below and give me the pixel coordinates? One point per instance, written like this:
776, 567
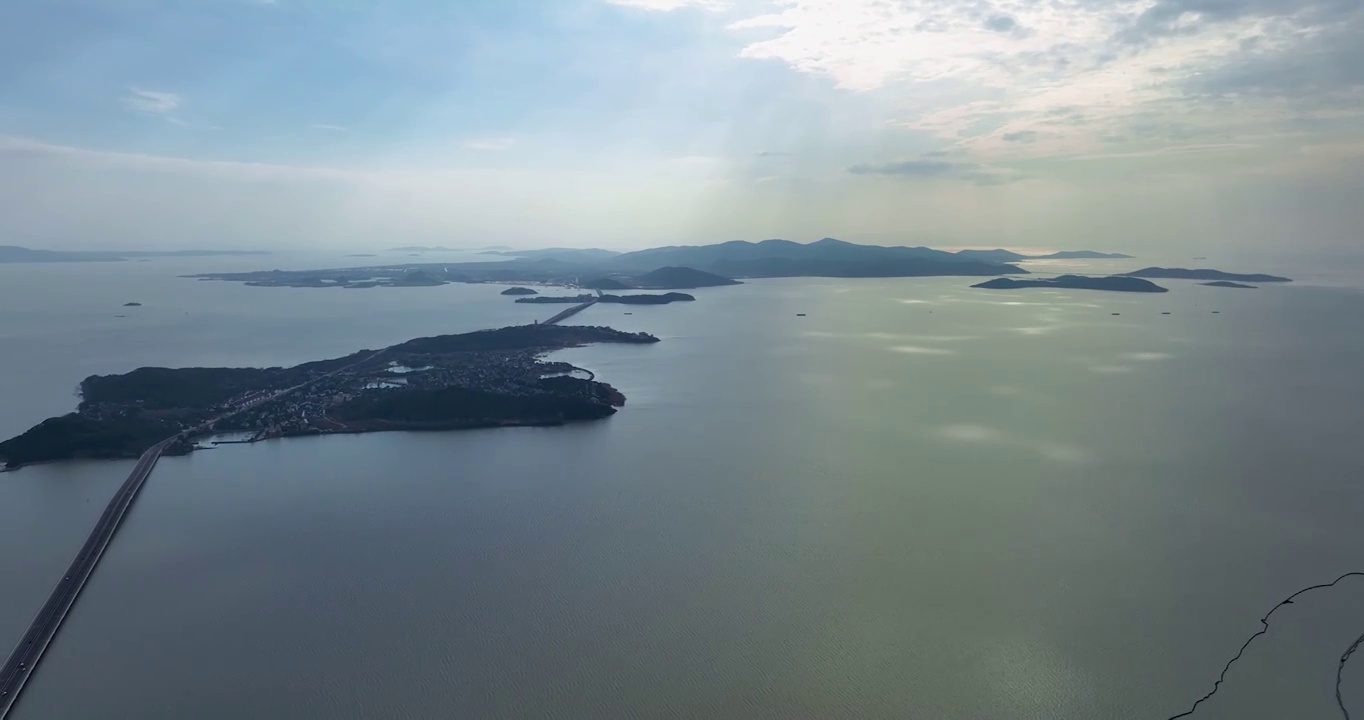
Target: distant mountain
423, 248
1117, 283
1004, 256
582, 255
187, 253
1203, 274
1081, 255
606, 284
16, 254
824, 258
681, 278
997, 255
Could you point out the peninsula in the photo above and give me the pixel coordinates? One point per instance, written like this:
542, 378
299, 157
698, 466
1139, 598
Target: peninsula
1204, 274
490, 378
1116, 283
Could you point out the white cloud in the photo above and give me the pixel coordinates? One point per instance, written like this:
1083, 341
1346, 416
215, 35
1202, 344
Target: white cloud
1062, 73
670, 5
152, 102
326, 126
495, 143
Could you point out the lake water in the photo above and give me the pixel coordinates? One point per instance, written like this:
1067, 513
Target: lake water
920, 500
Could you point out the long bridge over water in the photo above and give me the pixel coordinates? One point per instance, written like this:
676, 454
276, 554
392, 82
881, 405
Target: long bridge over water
570, 312
19, 668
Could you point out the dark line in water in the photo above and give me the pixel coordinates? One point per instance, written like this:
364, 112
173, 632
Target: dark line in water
1340, 702
1264, 622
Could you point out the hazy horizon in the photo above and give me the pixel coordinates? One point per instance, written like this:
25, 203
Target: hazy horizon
1143, 126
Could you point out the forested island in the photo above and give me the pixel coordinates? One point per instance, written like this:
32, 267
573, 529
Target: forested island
488, 378
1116, 283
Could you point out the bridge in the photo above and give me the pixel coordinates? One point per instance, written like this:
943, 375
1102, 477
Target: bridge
17, 670
566, 315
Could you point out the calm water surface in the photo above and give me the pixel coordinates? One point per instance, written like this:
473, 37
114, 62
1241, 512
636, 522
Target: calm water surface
919, 501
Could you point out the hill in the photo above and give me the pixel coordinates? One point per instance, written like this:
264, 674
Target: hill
1082, 255
998, 255
606, 284
1006, 256
681, 278
582, 255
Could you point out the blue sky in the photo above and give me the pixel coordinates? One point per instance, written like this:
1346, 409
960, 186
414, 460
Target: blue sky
302, 123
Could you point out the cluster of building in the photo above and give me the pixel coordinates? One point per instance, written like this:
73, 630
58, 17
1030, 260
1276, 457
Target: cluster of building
306, 409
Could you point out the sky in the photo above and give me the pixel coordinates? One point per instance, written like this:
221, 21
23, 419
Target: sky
1168, 126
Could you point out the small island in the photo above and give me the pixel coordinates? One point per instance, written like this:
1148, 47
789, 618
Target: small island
681, 278
132, 304
1115, 283
1228, 284
1204, 274
663, 299
489, 378
520, 291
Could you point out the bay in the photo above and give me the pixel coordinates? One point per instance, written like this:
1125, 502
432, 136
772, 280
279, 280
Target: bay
920, 500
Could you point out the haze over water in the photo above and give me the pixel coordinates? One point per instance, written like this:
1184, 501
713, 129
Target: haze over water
921, 500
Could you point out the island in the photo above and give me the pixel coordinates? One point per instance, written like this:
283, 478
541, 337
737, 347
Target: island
132, 304
489, 378
519, 291
1228, 284
663, 299
1002, 256
664, 268
1204, 274
1114, 283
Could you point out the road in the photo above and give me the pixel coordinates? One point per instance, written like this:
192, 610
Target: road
24, 659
